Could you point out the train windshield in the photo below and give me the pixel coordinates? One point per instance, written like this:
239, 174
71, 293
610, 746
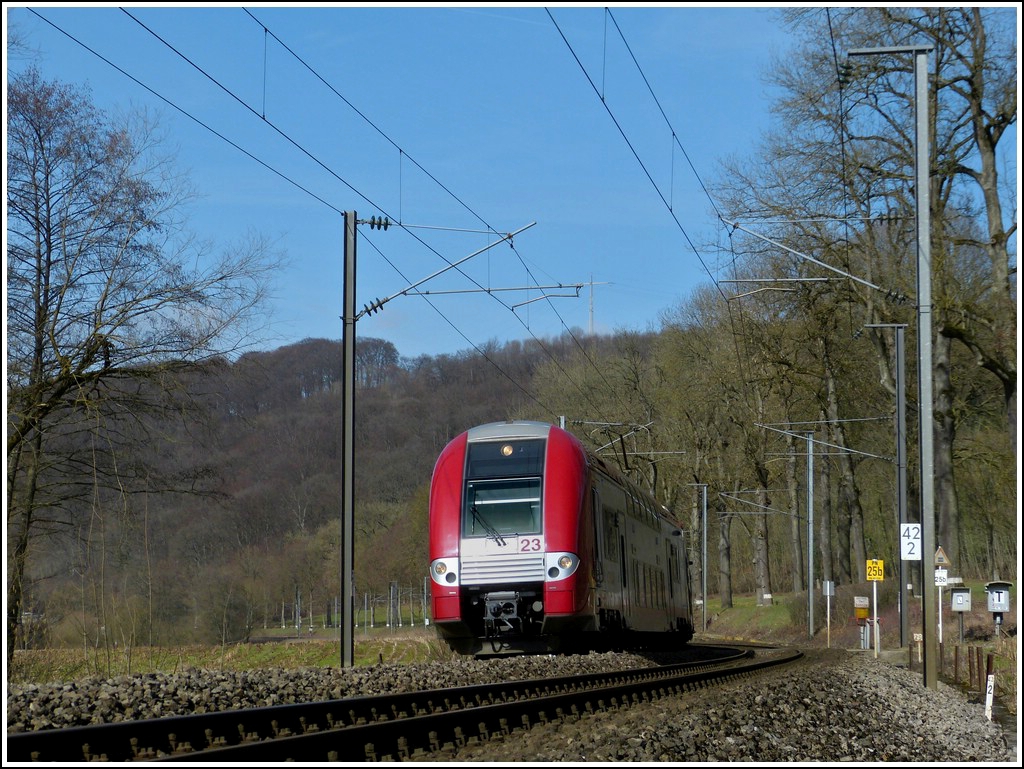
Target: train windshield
507, 506
503, 482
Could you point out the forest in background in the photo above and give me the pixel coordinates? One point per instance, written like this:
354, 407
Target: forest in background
256, 535
165, 485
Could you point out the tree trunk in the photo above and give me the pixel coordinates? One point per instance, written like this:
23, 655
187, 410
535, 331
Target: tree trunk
824, 494
23, 525
725, 560
761, 565
762, 569
698, 531
851, 514
792, 490
947, 515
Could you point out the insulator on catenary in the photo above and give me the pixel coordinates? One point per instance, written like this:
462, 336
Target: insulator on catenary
371, 308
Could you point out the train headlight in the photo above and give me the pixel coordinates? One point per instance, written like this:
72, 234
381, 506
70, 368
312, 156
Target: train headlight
445, 571
560, 565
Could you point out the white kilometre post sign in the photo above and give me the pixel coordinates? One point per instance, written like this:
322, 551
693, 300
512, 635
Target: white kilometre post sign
875, 573
941, 578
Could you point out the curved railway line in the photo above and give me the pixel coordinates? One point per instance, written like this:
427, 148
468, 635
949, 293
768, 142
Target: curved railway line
386, 727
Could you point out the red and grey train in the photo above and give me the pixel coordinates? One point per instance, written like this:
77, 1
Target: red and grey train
537, 545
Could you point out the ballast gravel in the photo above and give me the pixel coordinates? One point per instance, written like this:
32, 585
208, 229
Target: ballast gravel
832, 706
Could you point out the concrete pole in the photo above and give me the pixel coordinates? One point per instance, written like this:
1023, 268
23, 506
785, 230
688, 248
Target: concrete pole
924, 346
810, 534
704, 557
926, 412
901, 469
348, 383
901, 478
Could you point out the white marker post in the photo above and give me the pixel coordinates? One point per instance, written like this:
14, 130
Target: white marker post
828, 587
940, 582
941, 562
990, 690
876, 573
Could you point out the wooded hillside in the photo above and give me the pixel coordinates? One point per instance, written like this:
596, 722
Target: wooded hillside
255, 535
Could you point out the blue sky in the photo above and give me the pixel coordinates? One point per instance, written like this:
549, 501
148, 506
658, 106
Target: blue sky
452, 120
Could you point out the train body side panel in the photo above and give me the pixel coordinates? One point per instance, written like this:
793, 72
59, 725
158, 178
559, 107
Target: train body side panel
609, 516
445, 523
645, 580
566, 525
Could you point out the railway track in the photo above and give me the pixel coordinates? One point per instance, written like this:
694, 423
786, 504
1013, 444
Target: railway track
383, 727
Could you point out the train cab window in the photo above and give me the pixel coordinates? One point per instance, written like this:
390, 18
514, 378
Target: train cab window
499, 507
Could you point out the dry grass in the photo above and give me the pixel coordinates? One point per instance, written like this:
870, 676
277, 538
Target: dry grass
57, 665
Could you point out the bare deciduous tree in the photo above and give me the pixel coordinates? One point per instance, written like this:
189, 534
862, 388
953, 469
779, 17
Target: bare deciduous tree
106, 301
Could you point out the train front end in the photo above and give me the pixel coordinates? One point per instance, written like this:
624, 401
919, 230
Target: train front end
509, 564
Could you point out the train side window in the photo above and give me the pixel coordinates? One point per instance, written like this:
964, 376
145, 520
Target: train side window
612, 509
671, 571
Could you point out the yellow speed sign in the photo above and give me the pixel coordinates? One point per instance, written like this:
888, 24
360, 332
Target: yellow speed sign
876, 571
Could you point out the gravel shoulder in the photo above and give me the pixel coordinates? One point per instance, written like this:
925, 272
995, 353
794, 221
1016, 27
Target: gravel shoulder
833, 706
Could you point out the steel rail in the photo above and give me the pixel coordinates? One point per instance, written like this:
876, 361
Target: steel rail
368, 728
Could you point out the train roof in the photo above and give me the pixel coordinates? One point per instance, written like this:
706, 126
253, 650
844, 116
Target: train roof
524, 428
519, 428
